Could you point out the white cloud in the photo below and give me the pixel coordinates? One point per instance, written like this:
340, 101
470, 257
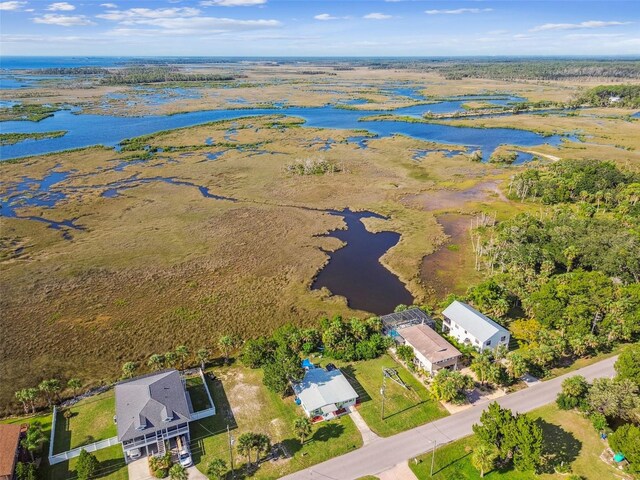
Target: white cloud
183, 20
326, 17
63, 20
576, 26
232, 3
377, 16
109, 5
133, 15
458, 11
61, 7
206, 24
12, 6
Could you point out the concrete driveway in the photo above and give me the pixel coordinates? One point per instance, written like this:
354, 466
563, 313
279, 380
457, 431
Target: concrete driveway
139, 470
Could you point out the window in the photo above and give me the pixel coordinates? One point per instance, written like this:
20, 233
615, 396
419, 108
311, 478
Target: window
503, 338
465, 332
488, 342
476, 340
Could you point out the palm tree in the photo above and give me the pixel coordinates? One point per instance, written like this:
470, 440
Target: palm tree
50, 388
74, 384
203, 356
33, 439
178, 472
245, 445
31, 395
302, 427
128, 369
21, 397
156, 361
262, 444
217, 469
170, 359
483, 458
226, 343
183, 352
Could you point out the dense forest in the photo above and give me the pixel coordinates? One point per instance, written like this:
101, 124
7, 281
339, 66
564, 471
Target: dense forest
565, 279
612, 95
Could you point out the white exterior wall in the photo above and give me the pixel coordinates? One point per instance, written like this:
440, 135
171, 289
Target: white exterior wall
426, 364
457, 332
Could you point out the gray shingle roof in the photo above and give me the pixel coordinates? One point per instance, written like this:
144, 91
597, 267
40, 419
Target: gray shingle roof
320, 387
477, 324
149, 403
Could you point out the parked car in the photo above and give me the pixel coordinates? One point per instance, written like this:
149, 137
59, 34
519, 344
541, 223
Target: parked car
184, 456
135, 453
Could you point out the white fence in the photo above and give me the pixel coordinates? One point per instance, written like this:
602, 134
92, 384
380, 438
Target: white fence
206, 387
92, 447
209, 412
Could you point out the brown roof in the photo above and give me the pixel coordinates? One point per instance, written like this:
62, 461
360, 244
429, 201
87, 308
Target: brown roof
426, 340
9, 438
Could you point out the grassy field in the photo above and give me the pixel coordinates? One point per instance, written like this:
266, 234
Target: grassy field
243, 403
568, 438
91, 420
403, 408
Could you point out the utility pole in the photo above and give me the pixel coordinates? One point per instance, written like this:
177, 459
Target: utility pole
382, 393
433, 455
233, 473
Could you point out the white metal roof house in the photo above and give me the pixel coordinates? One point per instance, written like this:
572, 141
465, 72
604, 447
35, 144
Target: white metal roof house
325, 394
432, 352
471, 327
151, 409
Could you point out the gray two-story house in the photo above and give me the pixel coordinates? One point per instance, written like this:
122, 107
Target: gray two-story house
149, 410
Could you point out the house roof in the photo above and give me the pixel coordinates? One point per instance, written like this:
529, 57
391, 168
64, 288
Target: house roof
148, 403
477, 324
319, 388
426, 340
9, 440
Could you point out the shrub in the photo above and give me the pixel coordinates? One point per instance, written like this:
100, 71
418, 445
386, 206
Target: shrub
566, 402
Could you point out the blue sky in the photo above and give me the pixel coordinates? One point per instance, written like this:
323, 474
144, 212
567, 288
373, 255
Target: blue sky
319, 27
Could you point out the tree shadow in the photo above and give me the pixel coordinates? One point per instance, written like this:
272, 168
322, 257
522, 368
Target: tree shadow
559, 446
451, 463
327, 432
350, 373
219, 362
404, 409
62, 437
108, 467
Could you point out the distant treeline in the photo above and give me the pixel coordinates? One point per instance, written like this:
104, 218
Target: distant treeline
71, 71
137, 75
612, 95
513, 68
542, 70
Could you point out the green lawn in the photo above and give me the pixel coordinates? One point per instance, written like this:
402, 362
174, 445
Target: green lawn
403, 409
92, 420
112, 466
197, 393
246, 405
568, 437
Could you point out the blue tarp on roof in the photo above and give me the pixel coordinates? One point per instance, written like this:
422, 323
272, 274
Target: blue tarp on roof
306, 363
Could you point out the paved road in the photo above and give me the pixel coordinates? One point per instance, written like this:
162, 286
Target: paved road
383, 454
